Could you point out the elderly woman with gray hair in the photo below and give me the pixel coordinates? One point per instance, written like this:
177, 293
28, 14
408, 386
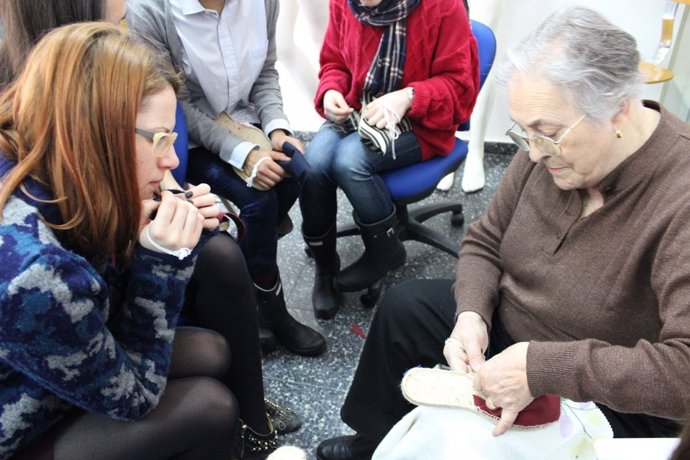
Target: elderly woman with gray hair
575, 281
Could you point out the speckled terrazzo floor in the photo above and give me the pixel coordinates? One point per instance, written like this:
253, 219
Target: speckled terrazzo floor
316, 387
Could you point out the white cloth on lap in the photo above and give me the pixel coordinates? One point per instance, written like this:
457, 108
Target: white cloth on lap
438, 433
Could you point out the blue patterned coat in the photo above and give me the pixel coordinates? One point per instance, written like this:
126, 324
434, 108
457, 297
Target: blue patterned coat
64, 341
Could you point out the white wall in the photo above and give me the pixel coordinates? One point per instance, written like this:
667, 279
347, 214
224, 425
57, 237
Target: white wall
511, 20
676, 93
515, 19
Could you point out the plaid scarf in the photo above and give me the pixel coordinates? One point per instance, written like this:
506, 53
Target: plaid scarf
386, 70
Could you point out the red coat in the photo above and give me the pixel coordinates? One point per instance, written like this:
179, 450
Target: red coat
441, 64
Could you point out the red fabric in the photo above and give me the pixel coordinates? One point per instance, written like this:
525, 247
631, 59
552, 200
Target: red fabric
441, 65
543, 410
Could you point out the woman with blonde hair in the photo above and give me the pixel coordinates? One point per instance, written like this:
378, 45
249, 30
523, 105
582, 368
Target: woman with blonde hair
96, 262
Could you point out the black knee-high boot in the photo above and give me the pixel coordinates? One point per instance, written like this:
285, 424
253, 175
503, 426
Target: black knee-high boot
324, 297
383, 252
292, 334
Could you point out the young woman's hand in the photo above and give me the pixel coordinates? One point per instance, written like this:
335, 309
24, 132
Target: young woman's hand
335, 107
279, 137
177, 225
268, 171
396, 102
206, 202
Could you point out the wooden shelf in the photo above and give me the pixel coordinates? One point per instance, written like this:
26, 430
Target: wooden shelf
654, 73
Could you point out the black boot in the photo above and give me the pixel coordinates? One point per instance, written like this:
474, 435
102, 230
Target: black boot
273, 315
324, 297
268, 341
354, 447
383, 252
250, 445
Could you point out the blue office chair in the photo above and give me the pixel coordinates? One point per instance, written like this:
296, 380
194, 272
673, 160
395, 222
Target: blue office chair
415, 182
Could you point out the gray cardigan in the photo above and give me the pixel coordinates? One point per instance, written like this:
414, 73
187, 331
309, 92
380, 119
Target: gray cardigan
152, 21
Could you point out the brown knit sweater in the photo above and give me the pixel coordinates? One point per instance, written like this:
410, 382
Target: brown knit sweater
604, 300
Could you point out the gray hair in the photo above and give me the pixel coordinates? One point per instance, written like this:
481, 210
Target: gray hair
594, 62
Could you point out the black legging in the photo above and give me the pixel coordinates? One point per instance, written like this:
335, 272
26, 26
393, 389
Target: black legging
408, 330
220, 297
195, 418
197, 414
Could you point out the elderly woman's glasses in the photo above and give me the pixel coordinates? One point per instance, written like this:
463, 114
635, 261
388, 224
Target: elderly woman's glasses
545, 144
161, 141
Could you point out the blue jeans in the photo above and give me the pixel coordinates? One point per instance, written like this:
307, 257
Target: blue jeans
340, 159
261, 211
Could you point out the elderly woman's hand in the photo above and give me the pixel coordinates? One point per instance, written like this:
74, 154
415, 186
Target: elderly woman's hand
464, 349
504, 379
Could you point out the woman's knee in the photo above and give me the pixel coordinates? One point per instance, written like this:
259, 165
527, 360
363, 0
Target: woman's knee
398, 302
204, 405
351, 159
415, 301
220, 251
322, 149
199, 351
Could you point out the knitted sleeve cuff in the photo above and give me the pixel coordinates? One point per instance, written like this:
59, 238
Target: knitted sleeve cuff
548, 364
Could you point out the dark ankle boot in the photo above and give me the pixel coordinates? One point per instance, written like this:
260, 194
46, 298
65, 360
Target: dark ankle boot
354, 447
324, 298
383, 252
267, 341
273, 315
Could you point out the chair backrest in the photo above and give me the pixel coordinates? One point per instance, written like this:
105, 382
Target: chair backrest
412, 183
181, 145
486, 45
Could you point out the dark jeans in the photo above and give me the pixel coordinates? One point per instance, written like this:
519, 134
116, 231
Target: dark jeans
338, 159
408, 330
260, 210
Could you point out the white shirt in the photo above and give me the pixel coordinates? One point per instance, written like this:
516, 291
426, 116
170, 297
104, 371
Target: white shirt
223, 54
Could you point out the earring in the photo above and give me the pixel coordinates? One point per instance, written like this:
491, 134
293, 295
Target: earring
619, 134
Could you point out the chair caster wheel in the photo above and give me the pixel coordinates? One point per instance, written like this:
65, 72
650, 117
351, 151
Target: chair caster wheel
457, 219
372, 295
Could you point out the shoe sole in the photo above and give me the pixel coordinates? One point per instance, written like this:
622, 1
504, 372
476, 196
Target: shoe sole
452, 389
309, 352
268, 349
440, 388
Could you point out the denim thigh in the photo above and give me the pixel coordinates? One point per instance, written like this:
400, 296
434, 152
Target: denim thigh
340, 159
260, 210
